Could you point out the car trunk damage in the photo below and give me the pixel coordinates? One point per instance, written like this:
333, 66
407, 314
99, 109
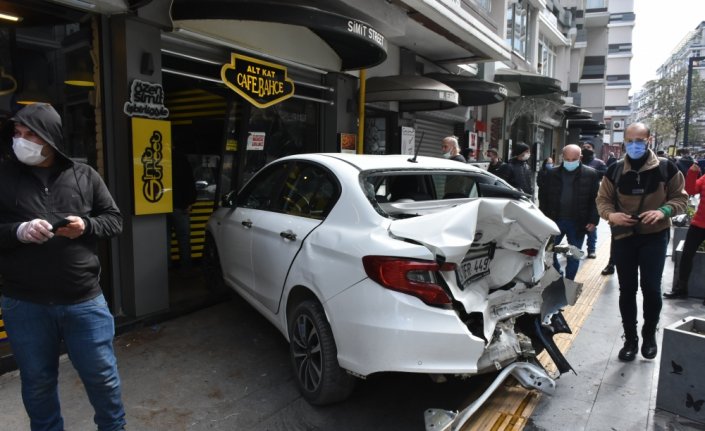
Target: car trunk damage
498, 248
500, 271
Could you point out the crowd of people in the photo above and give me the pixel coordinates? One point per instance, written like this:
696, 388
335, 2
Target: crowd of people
637, 195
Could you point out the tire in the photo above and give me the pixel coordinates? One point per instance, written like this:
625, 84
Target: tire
212, 272
314, 356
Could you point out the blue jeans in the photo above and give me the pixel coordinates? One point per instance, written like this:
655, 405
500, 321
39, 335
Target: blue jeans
640, 258
568, 229
592, 240
35, 332
180, 223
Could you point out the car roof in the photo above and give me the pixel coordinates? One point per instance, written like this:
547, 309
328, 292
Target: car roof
367, 162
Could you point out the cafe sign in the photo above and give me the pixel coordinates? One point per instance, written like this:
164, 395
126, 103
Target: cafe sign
260, 82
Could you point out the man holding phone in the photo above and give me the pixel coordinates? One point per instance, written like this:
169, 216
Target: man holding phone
638, 196
53, 211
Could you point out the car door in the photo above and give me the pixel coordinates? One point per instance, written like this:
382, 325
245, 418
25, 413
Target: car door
307, 196
255, 202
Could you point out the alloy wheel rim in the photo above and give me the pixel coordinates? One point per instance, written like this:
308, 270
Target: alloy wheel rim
308, 358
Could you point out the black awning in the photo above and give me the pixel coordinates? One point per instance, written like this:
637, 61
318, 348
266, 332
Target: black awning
414, 93
528, 83
586, 125
356, 43
573, 112
472, 91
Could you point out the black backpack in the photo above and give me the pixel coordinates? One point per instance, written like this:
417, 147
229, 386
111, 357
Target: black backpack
663, 166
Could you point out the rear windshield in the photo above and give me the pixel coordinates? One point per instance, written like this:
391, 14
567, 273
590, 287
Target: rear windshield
400, 187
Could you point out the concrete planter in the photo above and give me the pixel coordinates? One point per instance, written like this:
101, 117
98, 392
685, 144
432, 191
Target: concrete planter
696, 282
681, 382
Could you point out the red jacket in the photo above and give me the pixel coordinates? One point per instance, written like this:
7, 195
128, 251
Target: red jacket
694, 186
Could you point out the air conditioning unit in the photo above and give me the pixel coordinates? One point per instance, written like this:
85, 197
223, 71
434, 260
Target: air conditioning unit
618, 125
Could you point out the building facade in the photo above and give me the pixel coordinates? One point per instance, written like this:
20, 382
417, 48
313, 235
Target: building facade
604, 82
234, 84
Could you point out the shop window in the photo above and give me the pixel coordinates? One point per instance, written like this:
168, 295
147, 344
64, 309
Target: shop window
55, 64
280, 130
375, 135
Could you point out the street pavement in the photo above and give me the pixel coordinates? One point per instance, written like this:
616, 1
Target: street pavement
226, 368
607, 394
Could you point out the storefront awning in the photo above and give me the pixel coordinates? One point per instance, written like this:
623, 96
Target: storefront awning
573, 112
275, 27
472, 91
586, 126
527, 83
414, 93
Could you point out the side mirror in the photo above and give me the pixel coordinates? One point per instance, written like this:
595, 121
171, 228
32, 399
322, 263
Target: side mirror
228, 199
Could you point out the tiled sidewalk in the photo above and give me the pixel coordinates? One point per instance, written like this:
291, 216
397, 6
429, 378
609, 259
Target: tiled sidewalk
608, 394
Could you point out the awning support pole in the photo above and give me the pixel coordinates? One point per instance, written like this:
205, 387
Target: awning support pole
361, 114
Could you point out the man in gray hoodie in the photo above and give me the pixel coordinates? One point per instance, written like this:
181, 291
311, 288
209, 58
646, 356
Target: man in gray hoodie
53, 211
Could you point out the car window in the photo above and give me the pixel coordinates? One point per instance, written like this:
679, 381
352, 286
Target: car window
264, 191
309, 191
383, 187
405, 187
455, 186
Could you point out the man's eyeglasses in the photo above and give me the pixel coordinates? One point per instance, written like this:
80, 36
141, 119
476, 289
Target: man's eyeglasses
635, 141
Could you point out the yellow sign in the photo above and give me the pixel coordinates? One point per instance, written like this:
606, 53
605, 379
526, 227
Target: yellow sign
261, 83
151, 166
3, 334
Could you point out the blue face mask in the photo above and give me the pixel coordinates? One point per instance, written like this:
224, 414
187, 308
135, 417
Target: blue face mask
636, 149
571, 166
549, 165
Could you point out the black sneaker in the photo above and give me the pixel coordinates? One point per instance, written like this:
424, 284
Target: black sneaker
609, 269
592, 255
676, 293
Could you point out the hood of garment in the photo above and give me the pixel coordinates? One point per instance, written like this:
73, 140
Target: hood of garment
43, 120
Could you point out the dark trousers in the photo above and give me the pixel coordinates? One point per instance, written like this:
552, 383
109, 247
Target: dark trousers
693, 239
640, 258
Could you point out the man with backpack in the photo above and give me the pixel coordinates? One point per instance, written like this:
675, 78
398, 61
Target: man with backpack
638, 196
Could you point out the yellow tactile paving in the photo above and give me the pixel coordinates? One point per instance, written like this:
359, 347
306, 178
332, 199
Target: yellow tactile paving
509, 408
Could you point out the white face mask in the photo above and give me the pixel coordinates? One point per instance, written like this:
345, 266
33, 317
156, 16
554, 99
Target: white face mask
446, 155
28, 152
525, 156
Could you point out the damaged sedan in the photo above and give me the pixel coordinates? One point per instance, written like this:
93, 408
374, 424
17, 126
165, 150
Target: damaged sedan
370, 264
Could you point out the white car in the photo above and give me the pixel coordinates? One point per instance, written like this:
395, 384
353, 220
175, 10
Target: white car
372, 264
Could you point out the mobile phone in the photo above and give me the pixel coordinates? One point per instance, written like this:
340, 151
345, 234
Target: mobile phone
636, 217
60, 223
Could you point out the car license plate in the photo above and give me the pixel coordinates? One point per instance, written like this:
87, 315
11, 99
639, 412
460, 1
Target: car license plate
475, 266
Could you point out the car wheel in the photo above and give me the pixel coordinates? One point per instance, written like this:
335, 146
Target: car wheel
315, 357
212, 271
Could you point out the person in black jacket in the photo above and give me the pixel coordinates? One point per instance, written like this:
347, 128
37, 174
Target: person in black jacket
51, 291
184, 196
517, 171
496, 164
590, 160
546, 166
568, 199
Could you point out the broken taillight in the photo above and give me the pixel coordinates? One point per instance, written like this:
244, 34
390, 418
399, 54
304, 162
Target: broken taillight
530, 252
413, 277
